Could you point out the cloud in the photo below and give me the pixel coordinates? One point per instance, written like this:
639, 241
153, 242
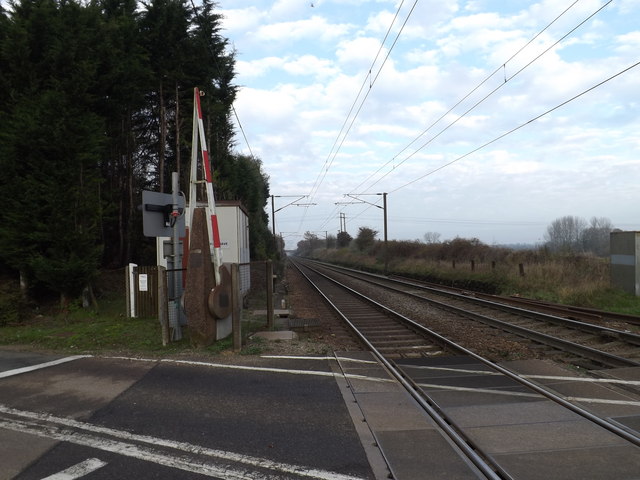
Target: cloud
303, 70
258, 68
313, 29
312, 66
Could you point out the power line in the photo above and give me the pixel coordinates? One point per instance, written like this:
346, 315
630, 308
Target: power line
513, 130
471, 92
364, 82
332, 154
334, 151
197, 14
506, 80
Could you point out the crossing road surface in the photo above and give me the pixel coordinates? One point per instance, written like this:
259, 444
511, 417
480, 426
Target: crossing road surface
105, 418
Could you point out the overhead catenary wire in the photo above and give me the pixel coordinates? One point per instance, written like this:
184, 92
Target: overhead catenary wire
471, 92
515, 129
196, 13
509, 132
342, 133
483, 99
502, 67
355, 101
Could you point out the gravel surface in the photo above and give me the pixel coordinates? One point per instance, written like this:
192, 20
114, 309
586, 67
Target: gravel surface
325, 332
485, 341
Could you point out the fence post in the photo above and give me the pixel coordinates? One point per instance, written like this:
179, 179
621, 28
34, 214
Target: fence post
473, 265
270, 311
521, 269
236, 325
493, 264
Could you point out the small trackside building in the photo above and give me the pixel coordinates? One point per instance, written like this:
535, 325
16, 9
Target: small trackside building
233, 223
625, 261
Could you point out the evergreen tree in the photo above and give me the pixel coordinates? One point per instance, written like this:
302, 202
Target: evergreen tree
125, 75
51, 143
95, 106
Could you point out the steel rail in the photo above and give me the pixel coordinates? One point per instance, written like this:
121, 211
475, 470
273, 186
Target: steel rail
488, 469
578, 325
613, 428
582, 326
593, 354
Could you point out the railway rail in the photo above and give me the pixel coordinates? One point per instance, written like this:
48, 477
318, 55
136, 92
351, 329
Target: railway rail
568, 311
590, 345
402, 345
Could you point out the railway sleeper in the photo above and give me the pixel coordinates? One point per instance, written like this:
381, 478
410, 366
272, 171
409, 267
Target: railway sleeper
426, 349
384, 333
393, 341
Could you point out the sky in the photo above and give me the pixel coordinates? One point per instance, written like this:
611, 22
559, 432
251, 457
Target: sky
479, 119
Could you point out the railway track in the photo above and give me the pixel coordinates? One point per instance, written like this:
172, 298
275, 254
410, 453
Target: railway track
408, 349
567, 311
588, 345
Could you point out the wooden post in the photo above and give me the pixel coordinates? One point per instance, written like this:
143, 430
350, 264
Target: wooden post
163, 312
473, 265
236, 301
493, 265
270, 311
521, 268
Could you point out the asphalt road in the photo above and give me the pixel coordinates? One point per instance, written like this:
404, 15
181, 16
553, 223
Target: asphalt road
105, 418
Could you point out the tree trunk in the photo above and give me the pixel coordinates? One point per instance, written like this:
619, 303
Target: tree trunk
163, 137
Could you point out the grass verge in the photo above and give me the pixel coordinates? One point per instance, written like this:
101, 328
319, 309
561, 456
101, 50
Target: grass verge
108, 332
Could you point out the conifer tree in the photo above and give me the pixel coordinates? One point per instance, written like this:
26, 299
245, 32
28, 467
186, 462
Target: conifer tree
51, 142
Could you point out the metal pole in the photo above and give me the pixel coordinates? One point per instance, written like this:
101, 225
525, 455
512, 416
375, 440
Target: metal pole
175, 251
273, 218
386, 251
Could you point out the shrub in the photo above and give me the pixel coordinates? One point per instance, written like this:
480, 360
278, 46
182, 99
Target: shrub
13, 307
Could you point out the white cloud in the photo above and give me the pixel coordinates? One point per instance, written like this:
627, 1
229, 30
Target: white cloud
258, 68
313, 29
302, 68
311, 65
358, 53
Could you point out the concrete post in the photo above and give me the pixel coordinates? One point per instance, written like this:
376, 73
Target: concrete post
270, 310
236, 301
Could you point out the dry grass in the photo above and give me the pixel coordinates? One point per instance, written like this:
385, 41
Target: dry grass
570, 279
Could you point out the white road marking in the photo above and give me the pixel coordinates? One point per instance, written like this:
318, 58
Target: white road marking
584, 379
542, 377
86, 434
479, 390
316, 373
297, 357
302, 357
78, 471
523, 394
18, 371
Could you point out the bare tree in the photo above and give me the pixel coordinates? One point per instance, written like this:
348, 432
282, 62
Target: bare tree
595, 238
432, 237
565, 234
